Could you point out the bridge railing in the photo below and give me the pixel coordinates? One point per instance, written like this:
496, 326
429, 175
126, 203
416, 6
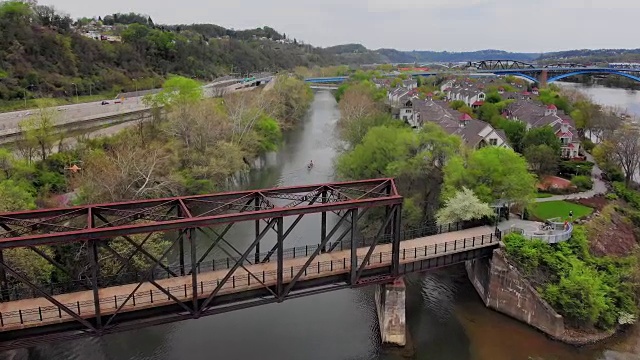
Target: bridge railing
237, 283
18, 292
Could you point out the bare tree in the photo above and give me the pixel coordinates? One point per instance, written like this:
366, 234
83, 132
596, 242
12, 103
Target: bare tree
244, 111
127, 172
38, 131
199, 126
355, 105
626, 150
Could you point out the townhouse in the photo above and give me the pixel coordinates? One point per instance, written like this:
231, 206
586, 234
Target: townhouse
535, 115
475, 133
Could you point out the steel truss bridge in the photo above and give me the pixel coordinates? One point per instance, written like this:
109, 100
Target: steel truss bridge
536, 73
549, 73
114, 282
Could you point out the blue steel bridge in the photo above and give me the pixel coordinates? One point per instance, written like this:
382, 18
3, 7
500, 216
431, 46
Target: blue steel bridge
543, 74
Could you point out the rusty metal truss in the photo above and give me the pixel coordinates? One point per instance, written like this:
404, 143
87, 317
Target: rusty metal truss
118, 283
500, 65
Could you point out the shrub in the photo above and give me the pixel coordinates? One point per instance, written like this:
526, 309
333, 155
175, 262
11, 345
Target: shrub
583, 183
585, 289
611, 196
612, 173
588, 145
569, 168
628, 195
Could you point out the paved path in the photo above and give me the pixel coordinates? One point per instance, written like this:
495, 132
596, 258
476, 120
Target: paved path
599, 186
40, 311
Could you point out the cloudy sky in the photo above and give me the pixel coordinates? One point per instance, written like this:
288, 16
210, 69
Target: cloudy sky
453, 25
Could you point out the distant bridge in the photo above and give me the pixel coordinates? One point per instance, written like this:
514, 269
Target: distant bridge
541, 73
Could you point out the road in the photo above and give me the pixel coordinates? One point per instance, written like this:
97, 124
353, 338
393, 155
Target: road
75, 112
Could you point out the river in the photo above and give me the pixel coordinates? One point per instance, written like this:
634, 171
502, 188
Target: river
445, 316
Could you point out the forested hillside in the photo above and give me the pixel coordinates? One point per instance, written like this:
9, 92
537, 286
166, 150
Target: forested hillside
358, 54
43, 52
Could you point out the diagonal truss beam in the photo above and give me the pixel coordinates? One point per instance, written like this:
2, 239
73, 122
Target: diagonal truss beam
139, 248
386, 223
290, 229
146, 278
295, 279
215, 291
48, 297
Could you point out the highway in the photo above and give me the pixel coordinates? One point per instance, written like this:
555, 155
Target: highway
71, 113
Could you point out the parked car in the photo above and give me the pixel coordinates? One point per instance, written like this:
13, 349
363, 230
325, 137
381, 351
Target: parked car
104, 103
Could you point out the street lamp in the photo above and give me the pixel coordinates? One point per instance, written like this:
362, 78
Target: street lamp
77, 98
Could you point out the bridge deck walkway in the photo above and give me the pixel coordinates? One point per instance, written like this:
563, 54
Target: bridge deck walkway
35, 312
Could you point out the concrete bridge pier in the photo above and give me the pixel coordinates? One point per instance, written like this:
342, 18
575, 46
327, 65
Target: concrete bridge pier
542, 79
390, 304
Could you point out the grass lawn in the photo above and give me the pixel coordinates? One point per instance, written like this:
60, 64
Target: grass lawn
554, 209
543, 195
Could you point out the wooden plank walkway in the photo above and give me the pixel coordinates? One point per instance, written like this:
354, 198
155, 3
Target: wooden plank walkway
36, 312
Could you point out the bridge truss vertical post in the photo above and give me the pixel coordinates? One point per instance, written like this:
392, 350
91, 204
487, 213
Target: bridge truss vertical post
354, 247
95, 270
92, 250
191, 234
395, 247
256, 205
323, 224
4, 288
181, 234
280, 258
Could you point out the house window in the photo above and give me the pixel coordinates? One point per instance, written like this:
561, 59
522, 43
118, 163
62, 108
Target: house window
493, 142
564, 141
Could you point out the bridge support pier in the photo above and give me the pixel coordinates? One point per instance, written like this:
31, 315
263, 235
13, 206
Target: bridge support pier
390, 305
542, 78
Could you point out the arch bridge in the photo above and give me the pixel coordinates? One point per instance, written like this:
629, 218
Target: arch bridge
549, 73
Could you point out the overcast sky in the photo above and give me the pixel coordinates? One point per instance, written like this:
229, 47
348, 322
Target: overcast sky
453, 25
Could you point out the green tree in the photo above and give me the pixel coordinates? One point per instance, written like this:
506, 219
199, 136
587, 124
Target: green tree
493, 98
492, 173
487, 112
18, 196
542, 159
15, 196
463, 206
457, 104
542, 136
515, 130
270, 134
415, 159
7, 161
177, 90
39, 129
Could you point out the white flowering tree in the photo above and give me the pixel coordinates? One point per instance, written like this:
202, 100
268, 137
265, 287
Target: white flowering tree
463, 206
